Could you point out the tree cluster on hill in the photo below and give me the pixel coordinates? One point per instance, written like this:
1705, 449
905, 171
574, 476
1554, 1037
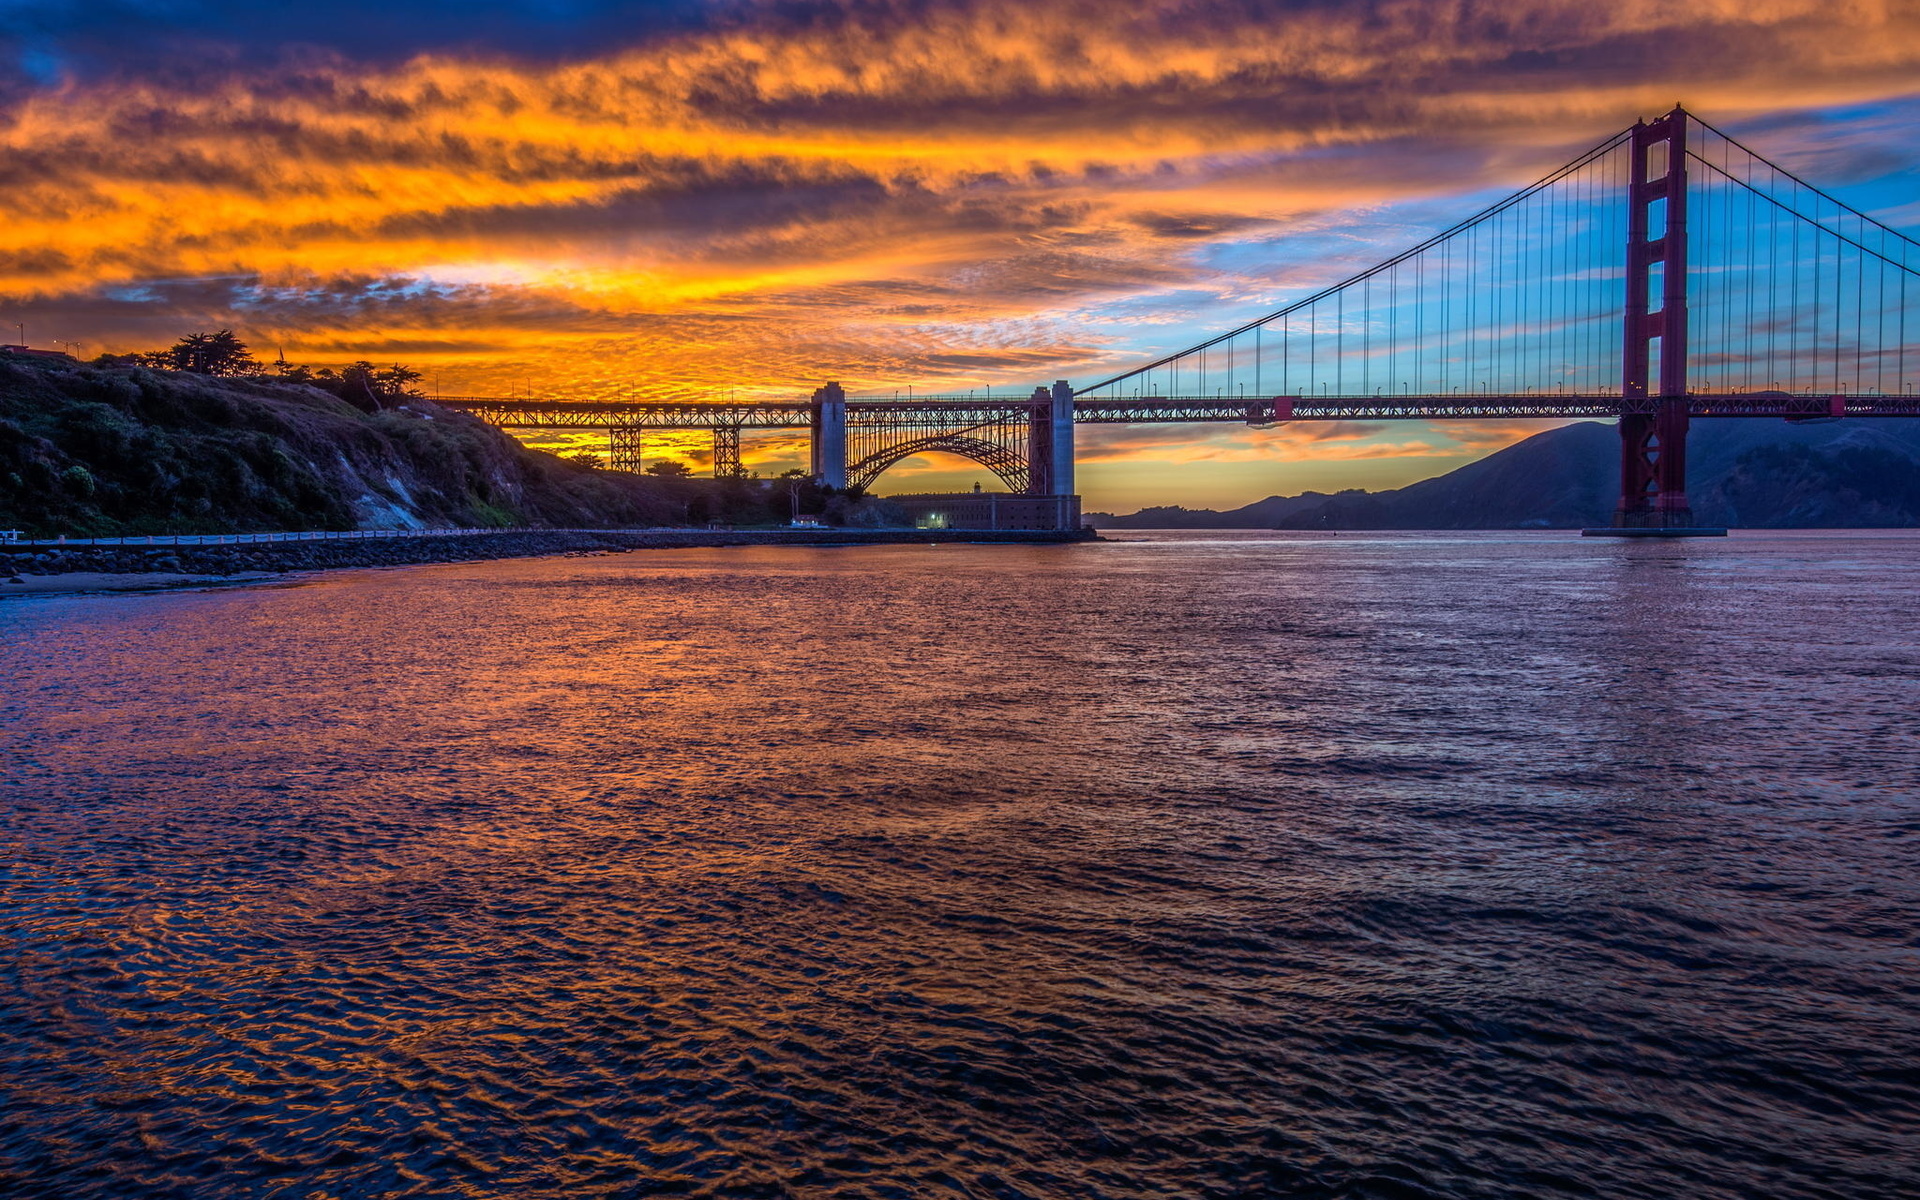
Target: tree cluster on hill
204, 354
223, 355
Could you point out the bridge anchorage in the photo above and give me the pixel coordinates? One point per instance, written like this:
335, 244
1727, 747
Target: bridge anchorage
1668, 274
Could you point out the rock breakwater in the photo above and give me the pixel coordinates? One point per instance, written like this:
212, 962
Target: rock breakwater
245, 558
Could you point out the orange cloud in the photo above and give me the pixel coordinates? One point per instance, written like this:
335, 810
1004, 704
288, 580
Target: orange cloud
990, 192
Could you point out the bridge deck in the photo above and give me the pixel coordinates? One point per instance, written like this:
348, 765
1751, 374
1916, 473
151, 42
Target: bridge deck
1169, 410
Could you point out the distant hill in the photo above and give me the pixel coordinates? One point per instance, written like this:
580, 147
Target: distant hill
1754, 474
107, 451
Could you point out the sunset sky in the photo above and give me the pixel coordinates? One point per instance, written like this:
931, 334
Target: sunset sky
694, 199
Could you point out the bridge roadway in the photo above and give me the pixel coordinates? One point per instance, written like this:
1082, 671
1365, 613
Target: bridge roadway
1028, 442
1167, 410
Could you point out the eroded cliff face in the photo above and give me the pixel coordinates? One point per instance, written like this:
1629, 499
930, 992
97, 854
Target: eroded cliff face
115, 450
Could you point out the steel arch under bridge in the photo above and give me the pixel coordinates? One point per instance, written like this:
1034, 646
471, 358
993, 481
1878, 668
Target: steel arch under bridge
1006, 439
1006, 463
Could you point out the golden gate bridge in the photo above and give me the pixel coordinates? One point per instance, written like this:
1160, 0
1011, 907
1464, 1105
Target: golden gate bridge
1667, 274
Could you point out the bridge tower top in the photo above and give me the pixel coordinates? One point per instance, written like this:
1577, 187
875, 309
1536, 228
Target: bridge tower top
1657, 235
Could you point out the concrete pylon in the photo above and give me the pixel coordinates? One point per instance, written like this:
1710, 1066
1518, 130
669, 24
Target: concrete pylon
830, 436
1062, 480
1040, 444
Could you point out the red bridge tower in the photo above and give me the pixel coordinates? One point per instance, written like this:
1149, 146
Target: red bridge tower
1653, 424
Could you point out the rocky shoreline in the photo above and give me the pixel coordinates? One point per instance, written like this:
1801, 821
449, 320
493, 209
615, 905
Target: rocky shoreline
256, 559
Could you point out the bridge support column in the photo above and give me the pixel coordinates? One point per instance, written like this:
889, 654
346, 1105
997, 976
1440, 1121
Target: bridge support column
1653, 429
830, 436
726, 453
624, 443
1653, 468
1062, 473
1040, 443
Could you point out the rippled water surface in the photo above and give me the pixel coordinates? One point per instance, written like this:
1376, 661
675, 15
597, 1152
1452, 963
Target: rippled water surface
1184, 866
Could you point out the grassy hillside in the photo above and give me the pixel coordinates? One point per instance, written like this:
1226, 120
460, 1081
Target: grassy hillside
106, 451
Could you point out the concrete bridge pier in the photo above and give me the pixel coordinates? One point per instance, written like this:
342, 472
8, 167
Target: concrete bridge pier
829, 419
1061, 481
1040, 444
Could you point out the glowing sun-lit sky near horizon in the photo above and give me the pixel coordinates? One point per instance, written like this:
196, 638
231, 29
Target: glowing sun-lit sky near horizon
611, 199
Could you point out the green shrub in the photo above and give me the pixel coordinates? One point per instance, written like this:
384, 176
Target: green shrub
78, 480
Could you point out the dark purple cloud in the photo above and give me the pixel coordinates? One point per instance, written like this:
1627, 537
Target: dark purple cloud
45, 38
